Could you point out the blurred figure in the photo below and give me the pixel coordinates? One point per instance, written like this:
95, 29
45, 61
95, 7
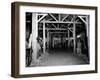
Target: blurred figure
28, 49
79, 52
39, 47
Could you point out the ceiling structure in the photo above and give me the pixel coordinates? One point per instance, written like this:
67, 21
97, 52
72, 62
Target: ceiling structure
51, 23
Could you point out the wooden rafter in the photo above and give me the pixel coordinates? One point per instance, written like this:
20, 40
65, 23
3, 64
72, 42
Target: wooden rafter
54, 26
83, 16
59, 22
53, 17
82, 19
44, 40
53, 29
57, 32
43, 15
70, 30
65, 17
74, 33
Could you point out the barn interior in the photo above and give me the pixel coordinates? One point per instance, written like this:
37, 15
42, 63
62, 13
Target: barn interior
65, 38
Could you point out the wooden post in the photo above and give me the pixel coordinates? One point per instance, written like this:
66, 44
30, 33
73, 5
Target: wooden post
44, 38
50, 40
65, 41
59, 16
34, 36
87, 29
47, 38
53, 42
74, 34
87, 25
68, 39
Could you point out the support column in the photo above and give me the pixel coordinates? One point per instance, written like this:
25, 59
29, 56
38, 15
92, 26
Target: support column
68, 39
44, 38
74, 34
65, 41
59, 16
34, 36
87, 25
87, 29
53, 42
47, 38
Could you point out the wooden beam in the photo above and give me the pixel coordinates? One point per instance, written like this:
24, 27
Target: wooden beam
68, 38
82, 19
34, 37
87, 25
57, 32
53, 17
47, 39
87, 29
44, 38
83, 16
60, 22
70, 30
57, 25
59, 16
43, 15
65, 17
52, 29
74, 33
54, 26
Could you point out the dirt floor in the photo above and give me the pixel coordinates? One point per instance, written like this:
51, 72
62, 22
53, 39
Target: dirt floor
60, 57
